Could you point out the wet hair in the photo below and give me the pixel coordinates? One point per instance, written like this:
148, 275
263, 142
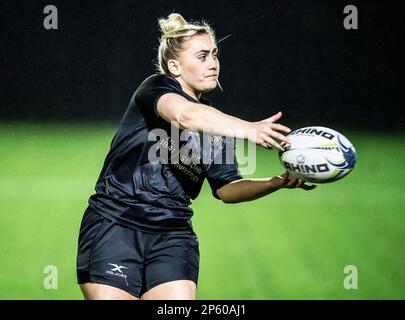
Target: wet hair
175, 31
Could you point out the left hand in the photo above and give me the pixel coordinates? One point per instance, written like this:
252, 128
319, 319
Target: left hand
288, 180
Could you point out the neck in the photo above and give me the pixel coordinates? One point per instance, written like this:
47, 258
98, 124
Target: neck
187, 89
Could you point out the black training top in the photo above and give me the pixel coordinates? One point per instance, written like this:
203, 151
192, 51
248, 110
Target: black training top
140, 190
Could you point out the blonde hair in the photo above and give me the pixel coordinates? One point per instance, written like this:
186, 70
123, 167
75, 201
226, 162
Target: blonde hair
175, 31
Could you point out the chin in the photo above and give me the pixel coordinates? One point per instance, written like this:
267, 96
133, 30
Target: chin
209, 88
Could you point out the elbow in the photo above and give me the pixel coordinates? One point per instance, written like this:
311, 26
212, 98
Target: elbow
228, 201
221, 196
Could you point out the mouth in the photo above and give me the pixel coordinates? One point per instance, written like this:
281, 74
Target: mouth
212, 76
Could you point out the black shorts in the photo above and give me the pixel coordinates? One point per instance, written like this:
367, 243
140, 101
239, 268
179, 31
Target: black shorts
131, 260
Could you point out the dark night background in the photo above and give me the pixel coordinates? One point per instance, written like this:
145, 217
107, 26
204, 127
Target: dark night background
293, 56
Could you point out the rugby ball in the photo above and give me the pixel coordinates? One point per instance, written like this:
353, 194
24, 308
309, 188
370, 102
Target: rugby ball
318, 154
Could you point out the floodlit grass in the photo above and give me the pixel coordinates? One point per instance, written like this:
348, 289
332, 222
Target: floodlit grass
289, 245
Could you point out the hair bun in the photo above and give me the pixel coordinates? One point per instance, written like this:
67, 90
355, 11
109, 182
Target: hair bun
175, 32
173, 23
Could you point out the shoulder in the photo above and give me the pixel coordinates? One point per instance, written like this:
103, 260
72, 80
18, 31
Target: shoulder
159, 81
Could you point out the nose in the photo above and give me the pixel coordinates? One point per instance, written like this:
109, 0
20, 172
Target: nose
214, 64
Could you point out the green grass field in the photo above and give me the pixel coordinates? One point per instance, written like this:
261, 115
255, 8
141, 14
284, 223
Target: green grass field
290, 245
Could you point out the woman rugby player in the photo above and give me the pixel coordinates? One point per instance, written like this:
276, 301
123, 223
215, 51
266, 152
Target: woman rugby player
136, 238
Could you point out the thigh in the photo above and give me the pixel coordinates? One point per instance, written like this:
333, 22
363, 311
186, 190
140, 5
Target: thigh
96, 291
173, 290
171, 266
109, 257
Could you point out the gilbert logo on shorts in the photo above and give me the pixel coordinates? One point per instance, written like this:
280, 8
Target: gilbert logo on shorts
117, 270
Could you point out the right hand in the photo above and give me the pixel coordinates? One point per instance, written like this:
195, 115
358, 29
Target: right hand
267, 130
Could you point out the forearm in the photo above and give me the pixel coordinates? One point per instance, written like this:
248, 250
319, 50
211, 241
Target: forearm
198, 117
205, 118
248, 189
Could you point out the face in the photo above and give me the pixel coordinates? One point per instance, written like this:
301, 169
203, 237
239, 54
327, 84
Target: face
198, 65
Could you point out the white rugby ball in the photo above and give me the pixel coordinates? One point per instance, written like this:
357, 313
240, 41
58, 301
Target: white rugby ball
318, 154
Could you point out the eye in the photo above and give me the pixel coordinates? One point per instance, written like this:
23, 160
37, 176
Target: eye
202, 58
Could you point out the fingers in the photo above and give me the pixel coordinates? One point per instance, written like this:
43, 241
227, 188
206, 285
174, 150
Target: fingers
279, 136
280, 127
277, 126
288, 179
272, 131
292, 182
308, 187
270, 143
275, 117
269, 135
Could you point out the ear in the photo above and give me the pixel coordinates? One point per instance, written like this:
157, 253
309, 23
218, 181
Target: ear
174, 67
